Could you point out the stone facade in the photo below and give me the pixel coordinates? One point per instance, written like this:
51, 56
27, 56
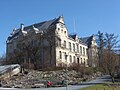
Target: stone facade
56, 47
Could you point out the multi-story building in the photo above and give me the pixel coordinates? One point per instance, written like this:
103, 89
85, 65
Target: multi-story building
55, 47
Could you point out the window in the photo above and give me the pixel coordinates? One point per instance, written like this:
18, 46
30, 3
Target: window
60, 55
34, 42
84, 61
62, 26
86, 51
74, 58
77, 48
83, 51
78, 61
62, 30
65, 56
58, 29
64, 43
19, 46
65, 32
11, 48
81, 60
70, 46
73, 47
70, 58
58, 42
80, 50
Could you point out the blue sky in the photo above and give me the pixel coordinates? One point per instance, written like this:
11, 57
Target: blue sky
89, 15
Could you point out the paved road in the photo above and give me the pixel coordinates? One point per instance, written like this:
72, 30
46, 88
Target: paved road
73, 87
76, 87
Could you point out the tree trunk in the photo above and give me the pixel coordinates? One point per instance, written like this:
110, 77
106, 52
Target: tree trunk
113, 79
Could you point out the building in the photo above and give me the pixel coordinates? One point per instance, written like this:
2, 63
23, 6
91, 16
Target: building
49, 44
92, 50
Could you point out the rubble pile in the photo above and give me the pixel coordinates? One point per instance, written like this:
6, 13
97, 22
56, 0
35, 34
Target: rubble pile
34, 78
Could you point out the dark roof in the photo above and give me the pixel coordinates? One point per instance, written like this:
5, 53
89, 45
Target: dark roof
42, 25
73, 36
87, 40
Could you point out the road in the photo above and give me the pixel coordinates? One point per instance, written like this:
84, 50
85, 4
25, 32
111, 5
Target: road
70, 87
77, 87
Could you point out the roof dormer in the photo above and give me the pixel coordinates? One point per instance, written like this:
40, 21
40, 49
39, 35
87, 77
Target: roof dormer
93, 41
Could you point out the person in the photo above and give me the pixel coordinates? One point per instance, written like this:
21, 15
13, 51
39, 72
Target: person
0, 83
63, 82
49, 84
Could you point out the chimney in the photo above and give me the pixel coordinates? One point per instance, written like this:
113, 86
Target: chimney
22, 27
14, 29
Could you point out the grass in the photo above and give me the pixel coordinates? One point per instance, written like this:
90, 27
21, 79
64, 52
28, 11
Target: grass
101, 87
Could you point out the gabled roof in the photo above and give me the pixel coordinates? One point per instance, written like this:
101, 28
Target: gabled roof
73, 36
87, 40
40, 26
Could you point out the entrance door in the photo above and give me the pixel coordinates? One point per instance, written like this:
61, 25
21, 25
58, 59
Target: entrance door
78, 60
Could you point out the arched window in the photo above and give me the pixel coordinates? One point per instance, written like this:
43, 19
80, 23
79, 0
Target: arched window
80, 50
70, 58
70, 46
77, 48
60, 55
74, 59
83, 51
73, 47
81, 60
84, 61
64, 43
65, 56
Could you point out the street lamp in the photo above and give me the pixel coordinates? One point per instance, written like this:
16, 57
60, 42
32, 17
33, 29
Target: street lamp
66, 55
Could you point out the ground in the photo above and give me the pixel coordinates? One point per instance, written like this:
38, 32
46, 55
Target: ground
106, 84
99, 80
101, 87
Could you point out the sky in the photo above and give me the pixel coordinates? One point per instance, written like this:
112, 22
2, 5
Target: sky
89, 16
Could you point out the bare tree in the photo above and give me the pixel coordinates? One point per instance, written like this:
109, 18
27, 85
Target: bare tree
2, 59
34, 48
53, 40
110, 63
110, 56
101, 44
31, 49
107, 53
